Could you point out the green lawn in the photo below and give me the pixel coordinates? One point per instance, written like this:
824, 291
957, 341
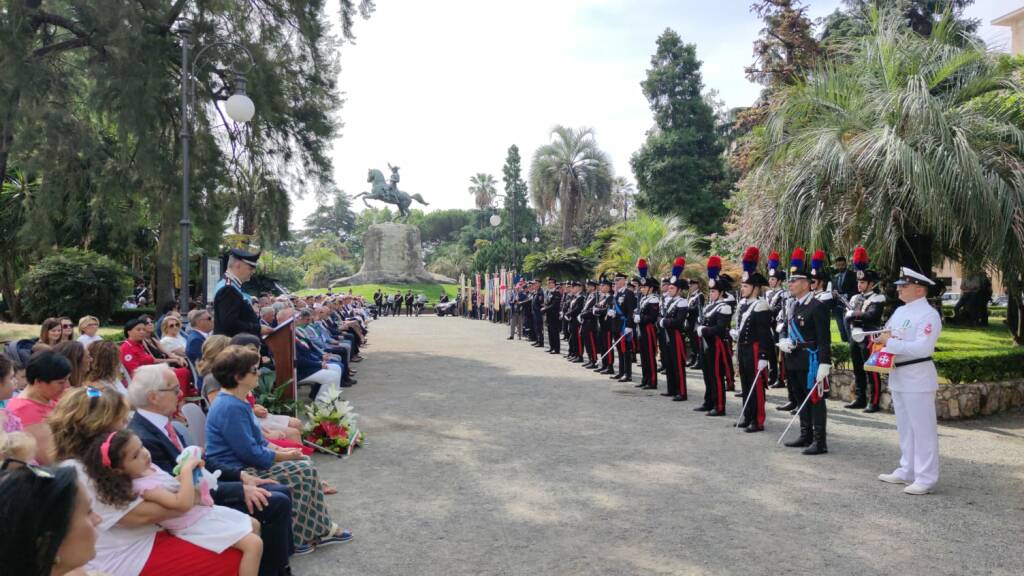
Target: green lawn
432, 291
10, 331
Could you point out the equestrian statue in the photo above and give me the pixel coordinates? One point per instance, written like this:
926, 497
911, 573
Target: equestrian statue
388, 192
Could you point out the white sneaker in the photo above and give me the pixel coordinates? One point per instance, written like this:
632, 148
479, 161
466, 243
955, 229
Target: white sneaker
891, 479
917, 490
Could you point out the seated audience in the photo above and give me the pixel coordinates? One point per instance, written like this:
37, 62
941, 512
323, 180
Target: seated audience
79, 358
201, 322
123, 471
234, 441
47, 374
279, 430
172, 341
50, 332
312, 368
88, 326
152, 342
106, 372
135, 353
48, 525
270, 503
130, 540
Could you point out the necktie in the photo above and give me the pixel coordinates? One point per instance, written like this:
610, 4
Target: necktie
173, 434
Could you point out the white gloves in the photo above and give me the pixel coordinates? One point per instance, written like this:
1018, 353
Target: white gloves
627, 331
700, 330
786, 345
734, 334
823, 371
848, 315
636, 318
762, 365
661, 323
611, 313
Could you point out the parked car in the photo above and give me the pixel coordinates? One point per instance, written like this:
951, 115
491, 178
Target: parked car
1001, 301
950, 298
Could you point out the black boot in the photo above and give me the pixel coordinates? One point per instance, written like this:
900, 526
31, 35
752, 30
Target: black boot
786, 406
819, 446
872, 408
856, 404
702, 408
806, 438
679, 398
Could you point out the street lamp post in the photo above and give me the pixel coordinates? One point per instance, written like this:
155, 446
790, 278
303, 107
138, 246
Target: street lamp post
238, 107
496, 221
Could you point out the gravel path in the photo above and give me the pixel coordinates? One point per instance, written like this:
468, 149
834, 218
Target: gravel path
488, 457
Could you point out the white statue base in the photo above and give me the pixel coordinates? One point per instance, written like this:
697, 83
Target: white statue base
392, 255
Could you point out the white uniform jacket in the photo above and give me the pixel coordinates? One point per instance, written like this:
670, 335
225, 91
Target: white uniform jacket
915, 329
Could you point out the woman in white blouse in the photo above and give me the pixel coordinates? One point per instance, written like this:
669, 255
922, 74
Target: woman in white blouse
172, 340
88, 326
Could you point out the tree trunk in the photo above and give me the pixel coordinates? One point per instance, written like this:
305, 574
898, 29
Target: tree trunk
10, 296
569, 208
165, 254
1015, 310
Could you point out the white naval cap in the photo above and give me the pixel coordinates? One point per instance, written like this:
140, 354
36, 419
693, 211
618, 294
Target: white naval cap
909, 276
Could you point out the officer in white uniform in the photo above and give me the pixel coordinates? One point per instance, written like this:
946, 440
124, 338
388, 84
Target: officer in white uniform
913, 330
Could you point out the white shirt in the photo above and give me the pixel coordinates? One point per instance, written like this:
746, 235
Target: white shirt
158, 420
119, 550
85, 339
915, 329
172, 343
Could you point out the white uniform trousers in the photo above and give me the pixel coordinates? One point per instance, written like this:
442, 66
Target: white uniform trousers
329, 380
919, 437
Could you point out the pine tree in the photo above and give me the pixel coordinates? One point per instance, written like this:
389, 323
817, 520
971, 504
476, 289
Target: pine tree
679, 167
785, 49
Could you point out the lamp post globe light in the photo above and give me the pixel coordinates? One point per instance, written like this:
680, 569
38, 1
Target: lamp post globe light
238, 107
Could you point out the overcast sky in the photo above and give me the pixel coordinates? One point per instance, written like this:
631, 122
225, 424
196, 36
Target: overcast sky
442, 89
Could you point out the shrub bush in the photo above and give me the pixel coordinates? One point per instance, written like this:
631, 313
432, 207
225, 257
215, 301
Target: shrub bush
992, 366
123, 315
74, 283
840, 354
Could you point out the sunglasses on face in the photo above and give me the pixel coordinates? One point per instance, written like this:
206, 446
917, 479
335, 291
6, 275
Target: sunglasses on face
65, 326
173, 325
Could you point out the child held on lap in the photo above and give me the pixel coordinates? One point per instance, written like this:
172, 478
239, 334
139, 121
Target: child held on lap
123, 470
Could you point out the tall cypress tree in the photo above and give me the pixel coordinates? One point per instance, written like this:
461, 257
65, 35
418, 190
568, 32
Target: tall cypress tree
679, 166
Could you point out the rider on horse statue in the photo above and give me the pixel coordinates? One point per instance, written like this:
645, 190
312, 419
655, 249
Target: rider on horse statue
386, 190
393, 182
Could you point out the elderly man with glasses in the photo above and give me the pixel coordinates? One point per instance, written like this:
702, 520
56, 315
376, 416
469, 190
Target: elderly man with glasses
153, 393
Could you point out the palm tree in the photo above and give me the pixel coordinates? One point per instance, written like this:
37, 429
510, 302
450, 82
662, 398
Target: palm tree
657, 239
623, 196
570, 170
903, 143
482, 187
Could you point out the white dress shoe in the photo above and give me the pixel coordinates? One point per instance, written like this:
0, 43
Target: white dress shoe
917, 490
891, 479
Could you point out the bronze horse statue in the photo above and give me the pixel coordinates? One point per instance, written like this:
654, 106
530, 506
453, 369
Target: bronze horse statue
385, 192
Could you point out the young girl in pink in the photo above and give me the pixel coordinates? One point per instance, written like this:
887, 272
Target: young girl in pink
123, 471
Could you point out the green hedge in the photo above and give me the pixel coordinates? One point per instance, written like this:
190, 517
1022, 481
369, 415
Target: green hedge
991, 366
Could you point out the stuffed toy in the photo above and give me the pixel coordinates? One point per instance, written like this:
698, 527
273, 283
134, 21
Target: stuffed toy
201, 477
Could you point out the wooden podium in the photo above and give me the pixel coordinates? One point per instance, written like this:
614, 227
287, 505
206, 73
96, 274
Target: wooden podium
281, 343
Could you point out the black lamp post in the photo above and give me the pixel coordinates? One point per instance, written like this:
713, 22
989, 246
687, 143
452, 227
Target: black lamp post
238, 107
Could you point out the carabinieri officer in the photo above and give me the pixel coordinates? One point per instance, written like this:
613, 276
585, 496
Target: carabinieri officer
232, 308
807, 341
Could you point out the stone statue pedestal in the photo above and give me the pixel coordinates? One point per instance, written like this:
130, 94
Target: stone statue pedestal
392, 255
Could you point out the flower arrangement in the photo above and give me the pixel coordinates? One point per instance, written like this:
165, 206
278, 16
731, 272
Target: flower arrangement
332, 425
